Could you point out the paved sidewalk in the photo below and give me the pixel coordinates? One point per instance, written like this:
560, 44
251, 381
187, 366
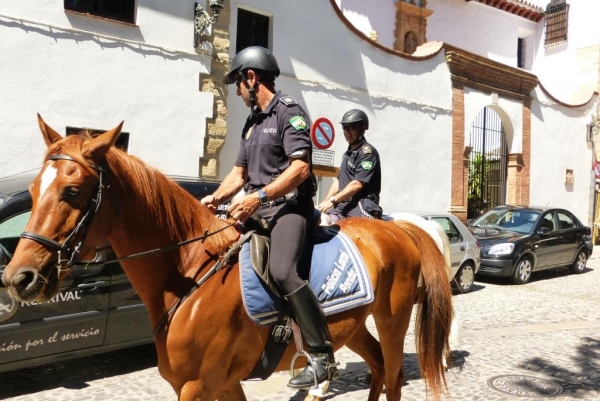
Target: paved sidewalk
539, 340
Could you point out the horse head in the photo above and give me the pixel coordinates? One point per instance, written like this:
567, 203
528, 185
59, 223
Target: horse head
67, 219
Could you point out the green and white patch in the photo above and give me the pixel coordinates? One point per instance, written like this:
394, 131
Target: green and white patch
366, 165
298, 123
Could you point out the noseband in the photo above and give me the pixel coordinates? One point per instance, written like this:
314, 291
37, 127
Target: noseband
66, 253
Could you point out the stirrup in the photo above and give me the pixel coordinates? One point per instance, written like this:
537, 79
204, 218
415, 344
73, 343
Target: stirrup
308, 360
317, 389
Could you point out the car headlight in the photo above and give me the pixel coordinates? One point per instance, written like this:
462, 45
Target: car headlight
501, 249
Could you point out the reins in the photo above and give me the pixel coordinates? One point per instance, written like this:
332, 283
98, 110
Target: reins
200, 238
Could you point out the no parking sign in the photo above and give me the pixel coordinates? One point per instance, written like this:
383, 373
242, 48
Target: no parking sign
322, 133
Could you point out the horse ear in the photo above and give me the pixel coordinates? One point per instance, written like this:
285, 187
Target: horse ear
100, 144
50, 136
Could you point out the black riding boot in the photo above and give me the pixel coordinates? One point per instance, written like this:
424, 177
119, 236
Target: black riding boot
309, 316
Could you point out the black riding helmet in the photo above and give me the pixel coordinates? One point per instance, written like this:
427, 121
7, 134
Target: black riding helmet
354, 116
253, 57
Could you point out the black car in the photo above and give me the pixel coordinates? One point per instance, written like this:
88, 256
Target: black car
96, 310
519, 240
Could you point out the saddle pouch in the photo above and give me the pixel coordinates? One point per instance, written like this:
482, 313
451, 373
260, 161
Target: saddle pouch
260, 246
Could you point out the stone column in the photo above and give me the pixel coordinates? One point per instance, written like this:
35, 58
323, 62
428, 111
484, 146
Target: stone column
514, 179
460, 155
526, 169
216, 127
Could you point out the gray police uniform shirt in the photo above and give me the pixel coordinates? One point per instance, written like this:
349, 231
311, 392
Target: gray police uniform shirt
269, 137
360, 164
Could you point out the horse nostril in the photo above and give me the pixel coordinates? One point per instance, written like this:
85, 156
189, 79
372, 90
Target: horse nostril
24, 280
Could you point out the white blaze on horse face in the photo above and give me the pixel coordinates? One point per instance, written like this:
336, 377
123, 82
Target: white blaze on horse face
48, 176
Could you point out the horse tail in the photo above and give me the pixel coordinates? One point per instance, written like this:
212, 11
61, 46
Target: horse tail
434, 310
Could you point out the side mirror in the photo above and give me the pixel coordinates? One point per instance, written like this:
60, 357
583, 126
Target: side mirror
587, 231
543, 230
4, 257
469, 221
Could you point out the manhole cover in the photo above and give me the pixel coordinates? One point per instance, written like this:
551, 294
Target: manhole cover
524, 386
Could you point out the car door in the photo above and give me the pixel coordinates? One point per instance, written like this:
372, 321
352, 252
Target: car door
458, 248
75, 318
548, 245
570, 237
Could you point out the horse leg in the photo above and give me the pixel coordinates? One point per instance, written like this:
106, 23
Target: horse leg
233, 393
368, 348
392, 332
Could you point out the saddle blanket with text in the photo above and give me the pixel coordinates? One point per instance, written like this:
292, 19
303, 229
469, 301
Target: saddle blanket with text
338, 277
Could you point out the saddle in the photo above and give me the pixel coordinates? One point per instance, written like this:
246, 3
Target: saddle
260, 246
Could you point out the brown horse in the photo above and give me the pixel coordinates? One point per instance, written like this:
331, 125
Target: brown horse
208, 344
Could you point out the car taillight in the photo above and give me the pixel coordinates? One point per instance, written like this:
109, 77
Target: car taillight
478, 244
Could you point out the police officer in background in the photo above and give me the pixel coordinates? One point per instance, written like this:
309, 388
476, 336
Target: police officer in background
356, 190
274, 166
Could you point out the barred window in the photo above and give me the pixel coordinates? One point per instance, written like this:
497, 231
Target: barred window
122, 141
252, 30
521, 52
120, 10
557, 22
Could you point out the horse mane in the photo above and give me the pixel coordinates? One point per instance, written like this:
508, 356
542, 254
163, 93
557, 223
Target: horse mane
170, 206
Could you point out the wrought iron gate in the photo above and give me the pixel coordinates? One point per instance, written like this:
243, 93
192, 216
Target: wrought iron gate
487, 163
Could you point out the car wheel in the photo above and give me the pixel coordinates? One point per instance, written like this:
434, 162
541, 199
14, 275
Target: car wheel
580, 261
523, 271
464, 279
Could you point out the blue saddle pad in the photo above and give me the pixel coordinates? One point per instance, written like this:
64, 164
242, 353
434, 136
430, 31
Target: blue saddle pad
338, 277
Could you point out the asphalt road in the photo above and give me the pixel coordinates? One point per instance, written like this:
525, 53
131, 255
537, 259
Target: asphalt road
531, 342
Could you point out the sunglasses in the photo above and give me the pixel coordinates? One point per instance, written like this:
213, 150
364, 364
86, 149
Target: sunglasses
238, 81
348, 127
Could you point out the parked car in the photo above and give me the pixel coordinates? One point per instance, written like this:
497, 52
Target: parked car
464, 248
96, 310
519, 240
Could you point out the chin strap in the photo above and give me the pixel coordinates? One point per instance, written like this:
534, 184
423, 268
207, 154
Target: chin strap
252, 92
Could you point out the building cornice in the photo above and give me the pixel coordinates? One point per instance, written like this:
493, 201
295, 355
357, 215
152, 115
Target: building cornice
516, 7
482, 73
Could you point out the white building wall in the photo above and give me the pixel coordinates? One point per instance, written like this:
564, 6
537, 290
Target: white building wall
558, 142
367, 17
408, 102
554, 63
77, 79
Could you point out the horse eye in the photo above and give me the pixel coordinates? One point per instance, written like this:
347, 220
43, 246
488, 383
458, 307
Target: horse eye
72, 191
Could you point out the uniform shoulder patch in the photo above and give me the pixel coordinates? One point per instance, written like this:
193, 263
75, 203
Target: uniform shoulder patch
288, 101
298, 123
366, 165
367, 149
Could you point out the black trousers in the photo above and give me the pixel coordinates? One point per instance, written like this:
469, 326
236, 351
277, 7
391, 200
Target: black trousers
288, 225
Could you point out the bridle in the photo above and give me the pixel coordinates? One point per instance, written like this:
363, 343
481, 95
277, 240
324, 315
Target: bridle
66, 252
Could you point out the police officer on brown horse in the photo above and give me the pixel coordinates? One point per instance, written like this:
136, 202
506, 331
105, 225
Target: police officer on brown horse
274, 167
356, 190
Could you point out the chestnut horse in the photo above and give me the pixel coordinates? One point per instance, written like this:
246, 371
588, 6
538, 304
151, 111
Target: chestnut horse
88, 192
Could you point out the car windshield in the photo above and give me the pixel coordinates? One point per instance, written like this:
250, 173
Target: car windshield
520, 221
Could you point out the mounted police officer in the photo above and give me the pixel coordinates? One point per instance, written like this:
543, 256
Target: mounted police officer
274, 167
356, 190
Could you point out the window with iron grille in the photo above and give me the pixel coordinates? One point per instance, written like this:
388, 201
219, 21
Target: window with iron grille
121, 143
521, 53
252, 30
557, 23
120, 10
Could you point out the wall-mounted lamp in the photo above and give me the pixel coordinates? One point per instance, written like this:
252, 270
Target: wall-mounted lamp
202, 20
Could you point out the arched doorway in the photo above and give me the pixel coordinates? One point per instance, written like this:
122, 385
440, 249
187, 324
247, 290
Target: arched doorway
487, 163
